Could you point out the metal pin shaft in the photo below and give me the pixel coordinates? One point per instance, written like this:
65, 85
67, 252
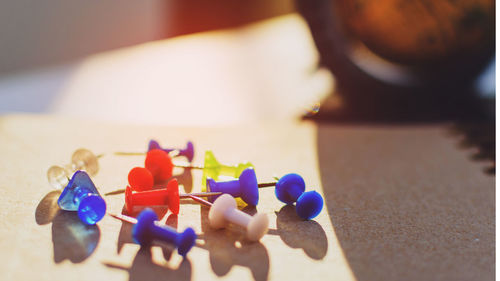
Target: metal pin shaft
266, 184
198, 199
124, 218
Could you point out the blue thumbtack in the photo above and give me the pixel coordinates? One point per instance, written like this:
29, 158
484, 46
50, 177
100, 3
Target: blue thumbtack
245, 187
309, 205
290, 189
187, 152
81, 195
146, 230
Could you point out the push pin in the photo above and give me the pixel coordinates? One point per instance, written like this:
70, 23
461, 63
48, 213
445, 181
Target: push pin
309, 205
245, 187
187, 152
214, 169
290, 189
164, 196
224, 210
81, 195
82, 159
160, 165
146, 230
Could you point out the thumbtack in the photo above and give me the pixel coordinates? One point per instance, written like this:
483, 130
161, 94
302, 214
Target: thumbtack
290, 189
164, 196
309, 205
147, 229
82, 159
224, 210
187, 152
213, 169
81, 195
160, 165
245, 187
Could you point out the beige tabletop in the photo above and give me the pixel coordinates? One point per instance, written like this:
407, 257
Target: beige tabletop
401, 203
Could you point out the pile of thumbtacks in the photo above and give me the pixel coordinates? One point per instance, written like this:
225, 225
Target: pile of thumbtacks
147, 188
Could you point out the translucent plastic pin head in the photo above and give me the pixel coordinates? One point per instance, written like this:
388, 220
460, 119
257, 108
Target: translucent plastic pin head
213, 169
82, 159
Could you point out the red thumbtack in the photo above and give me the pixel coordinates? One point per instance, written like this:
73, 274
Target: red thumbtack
160, 165
164, 196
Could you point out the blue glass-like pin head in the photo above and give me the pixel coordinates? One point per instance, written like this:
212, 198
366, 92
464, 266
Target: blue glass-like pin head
153, 145
145, 221
309, 205
81, 195
249, 187
185, 241
289, 188
189, 152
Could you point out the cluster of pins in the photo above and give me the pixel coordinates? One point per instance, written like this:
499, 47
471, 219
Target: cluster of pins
147, 188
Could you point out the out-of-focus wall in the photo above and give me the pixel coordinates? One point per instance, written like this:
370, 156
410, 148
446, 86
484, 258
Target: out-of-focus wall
34, 33
39, 32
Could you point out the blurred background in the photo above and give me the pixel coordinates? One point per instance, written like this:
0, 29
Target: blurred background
159, 62
228, 62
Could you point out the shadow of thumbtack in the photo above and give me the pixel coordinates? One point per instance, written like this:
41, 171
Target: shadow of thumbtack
228, 247
72, 239
144, 269
47, 209
172, 221
298, 233
186, 180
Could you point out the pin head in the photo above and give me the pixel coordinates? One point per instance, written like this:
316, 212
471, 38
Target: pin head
289, 188
185, 241
245, 187
189, 151
309, 205
58, 177
159, 164
153, 145
219, 207
128, 200
140, 232
257, 227
92, 209
210, 161
173, 196
84, 159
249, 188
213, 169
140, 179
